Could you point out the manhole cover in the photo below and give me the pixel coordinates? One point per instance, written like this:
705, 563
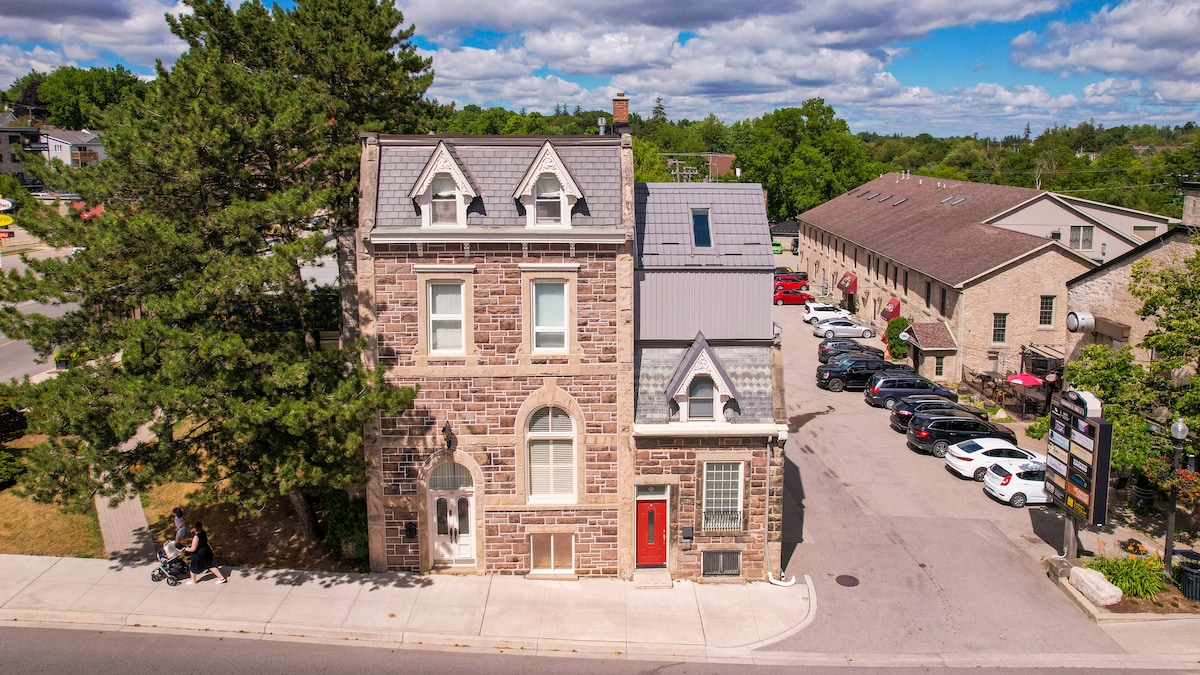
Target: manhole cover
846, 580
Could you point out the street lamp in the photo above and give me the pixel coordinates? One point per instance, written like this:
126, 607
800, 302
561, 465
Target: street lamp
1179, 432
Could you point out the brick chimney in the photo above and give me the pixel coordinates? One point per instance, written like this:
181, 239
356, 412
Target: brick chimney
620, 109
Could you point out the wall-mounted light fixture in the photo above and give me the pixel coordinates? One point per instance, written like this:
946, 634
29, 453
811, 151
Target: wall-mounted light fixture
448, 435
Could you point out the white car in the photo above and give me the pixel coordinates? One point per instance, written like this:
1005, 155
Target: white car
1018, 486
840, 327
972, 458
818, 311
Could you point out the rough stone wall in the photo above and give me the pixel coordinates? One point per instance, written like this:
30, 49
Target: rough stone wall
508, 536
680, 464
1106, 294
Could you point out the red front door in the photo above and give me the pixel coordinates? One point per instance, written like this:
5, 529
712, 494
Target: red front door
652, 533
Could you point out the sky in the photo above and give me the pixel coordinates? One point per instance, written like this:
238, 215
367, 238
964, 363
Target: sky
947, 68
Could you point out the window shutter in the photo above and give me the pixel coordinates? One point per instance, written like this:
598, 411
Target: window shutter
564, 469
541, 475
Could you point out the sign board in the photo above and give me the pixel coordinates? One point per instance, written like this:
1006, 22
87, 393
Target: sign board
6, 234
6, 204
5, 221
1078, 458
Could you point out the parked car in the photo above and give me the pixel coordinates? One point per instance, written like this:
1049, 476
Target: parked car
935, 431
788, 270
819, 311
796, 245
790, 282
776, 247
1025, 484
784, 296
910, 405
885, 389
841, 327
830, 347
855, 373
973, 458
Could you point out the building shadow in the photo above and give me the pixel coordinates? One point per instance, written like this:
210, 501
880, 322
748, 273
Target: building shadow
793, 511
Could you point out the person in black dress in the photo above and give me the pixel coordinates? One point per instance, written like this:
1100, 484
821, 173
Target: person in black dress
202, 555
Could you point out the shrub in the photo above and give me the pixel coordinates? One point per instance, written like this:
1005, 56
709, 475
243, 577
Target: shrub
10, 468
1039, 428
898, 347
1136, 577
345, 523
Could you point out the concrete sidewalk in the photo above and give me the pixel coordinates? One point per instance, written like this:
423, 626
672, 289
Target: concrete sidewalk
603, 618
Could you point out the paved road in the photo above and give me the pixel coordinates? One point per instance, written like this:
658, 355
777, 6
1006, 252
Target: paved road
940, 568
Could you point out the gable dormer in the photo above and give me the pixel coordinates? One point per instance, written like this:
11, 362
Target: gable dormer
700, 388
548, 192
443, 190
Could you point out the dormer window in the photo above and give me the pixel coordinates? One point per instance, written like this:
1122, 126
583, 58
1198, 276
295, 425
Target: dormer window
443, 198
700, 398
700, 390
548, 197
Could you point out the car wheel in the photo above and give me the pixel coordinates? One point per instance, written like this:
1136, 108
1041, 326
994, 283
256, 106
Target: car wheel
836, 384
1017, 501
828, 334
889, 403
868, 333
939, 449
779, 302
980, 473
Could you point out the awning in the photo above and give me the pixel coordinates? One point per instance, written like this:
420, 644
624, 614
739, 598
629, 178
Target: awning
848, 283
891, 310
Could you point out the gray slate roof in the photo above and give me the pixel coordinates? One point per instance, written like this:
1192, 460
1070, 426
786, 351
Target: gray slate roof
496, 165
939, 232
699, 346
737, 216
748, 367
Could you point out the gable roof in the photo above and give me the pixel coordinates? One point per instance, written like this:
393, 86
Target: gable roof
699, 346
932, 336
496, 165
1181, 231
72, 137
737, 218
934, 227
444, 159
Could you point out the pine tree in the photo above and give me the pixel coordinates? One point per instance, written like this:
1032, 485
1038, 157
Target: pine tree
193, 317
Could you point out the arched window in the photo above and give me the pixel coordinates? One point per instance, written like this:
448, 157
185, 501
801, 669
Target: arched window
443, 201
700, 398
547, 195
550, 443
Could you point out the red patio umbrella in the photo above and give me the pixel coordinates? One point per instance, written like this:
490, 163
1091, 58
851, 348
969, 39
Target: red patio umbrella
1025, 380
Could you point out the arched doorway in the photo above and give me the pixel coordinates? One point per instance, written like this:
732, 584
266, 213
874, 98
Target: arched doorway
452, 515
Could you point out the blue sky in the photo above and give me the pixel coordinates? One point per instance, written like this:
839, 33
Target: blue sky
890, 66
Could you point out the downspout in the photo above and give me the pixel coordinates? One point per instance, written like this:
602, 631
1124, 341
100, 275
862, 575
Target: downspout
782, 437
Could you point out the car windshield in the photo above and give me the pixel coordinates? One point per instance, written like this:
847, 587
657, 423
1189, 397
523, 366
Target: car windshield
970, 446
999, 470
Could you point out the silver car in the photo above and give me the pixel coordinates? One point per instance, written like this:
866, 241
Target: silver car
842, 327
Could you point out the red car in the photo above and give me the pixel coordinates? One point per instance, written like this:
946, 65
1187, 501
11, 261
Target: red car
784, 296
790, 282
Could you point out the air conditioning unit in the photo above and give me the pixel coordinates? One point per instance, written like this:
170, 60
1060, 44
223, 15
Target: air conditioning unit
1056, 235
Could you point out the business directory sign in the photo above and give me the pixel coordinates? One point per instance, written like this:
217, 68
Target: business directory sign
1078, 457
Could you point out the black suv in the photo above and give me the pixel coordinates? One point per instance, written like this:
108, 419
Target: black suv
934, 432
831, 347
855, 374
910, 405
884, 389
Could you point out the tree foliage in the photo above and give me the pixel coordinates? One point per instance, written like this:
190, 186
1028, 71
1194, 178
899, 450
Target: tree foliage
192, 310
75, 98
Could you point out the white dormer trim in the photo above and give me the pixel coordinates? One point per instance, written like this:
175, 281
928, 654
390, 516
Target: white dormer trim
704, 366
547, 163
442, 163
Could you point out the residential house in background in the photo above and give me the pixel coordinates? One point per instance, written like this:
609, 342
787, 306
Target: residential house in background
980, 270
73, 148
709, 420
16, 136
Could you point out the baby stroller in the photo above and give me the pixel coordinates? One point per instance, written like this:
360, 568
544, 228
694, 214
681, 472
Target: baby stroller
171, 565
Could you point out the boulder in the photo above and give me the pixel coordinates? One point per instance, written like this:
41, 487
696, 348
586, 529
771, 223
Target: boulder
1094, 587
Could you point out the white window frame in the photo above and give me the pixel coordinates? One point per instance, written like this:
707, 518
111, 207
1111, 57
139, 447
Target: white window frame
723, 522
562, 443
712, 398
547, 164
539, 330
1000, 323
442, 165
559, 201
1082, 234
432, 201
459, 316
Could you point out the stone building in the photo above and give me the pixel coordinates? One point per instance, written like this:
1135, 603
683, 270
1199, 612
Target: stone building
1105, 311
980, 270
497, 275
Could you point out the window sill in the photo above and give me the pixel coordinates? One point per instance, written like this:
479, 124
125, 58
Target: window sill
549, 575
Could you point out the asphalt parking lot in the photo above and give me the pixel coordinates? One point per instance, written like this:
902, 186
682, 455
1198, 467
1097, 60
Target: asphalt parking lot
905, 556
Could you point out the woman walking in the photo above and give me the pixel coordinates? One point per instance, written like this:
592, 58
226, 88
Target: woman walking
202, 556
180, 524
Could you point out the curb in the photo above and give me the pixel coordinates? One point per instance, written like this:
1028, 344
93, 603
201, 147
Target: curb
1104, 616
